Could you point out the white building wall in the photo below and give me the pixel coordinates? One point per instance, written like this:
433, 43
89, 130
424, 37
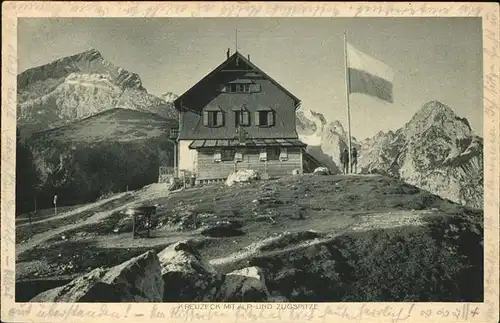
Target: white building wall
187, 157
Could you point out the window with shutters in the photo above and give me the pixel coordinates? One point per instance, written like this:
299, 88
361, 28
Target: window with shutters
213, 118
283, 154
227, 155
264, 118
263, 155
238, 157
217, 156
242, 118
273, 153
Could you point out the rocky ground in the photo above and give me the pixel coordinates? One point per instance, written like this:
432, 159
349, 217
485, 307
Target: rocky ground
301, 238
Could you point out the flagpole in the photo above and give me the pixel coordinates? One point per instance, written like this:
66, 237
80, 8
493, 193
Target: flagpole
347, 100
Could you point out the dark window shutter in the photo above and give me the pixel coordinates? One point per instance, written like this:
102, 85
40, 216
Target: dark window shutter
257, 120
270, 118
205, 118
220, 118
237, 118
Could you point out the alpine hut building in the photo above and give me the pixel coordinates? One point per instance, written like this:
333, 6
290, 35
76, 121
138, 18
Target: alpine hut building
237, 117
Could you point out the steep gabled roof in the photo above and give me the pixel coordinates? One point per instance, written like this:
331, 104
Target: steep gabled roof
224, 64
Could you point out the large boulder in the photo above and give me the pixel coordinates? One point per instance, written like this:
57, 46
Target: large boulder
140, 276
321, 171
86, 288
186, 274
136, 280
242, 176
244, 285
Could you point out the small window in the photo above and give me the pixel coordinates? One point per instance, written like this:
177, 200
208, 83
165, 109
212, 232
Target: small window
213, 118
264, 118
238, 157
263, 155
242, 118
238, 88
273, 153
217, 157
227, 155
283, 154
254, 88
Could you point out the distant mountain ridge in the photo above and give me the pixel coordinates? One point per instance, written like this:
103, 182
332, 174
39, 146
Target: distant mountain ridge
436, 151
78, 86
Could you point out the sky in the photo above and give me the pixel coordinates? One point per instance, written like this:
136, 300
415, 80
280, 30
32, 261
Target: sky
432, 58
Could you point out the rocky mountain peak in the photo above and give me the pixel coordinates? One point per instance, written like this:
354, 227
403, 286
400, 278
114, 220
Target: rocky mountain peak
336, 127
79, 86
88, 62
433, 111
436, 150
436, 118
90, 55
318, 116
169, 97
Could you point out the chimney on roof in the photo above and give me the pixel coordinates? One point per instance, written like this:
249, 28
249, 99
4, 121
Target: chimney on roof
228, 52
249, 57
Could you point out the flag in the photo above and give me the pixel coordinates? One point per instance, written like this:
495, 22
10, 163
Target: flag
368, 75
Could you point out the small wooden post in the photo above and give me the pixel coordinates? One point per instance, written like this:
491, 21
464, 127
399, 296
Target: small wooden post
31, 213
175, 158
148, 218
133, 226
55, 204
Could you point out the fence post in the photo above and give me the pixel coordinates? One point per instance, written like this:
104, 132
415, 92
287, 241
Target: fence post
55, 205
133, 226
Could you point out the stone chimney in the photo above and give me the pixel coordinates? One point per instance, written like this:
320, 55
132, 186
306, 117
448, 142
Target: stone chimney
249, 57
228, 52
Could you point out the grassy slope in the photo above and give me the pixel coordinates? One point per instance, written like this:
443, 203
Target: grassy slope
432, 260
26, 231
99, 155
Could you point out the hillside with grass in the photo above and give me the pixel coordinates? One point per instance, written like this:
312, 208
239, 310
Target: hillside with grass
309, 238
109, 152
